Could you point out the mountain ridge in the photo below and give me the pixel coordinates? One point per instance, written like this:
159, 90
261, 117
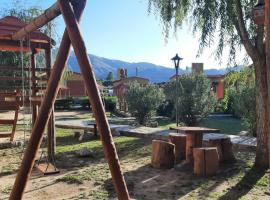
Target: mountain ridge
155, 73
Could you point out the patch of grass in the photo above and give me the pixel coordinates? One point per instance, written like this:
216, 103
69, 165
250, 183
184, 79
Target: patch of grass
7, 189
100, 193
71, 179
7, 170
227, 125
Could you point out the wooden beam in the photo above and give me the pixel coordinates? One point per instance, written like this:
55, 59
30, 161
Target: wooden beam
95, 99
51, 125
11, 45
38, 22
267, 47
34, 84
44, 114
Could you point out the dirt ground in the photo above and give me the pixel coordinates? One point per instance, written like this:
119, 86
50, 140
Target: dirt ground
89, 178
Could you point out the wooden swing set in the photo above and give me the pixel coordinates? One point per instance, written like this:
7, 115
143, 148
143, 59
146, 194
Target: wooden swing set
71, 11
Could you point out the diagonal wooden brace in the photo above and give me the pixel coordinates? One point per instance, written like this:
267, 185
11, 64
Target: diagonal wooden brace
45, 111
95, 99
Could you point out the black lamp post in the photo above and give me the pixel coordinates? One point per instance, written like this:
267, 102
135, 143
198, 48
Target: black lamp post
176, 59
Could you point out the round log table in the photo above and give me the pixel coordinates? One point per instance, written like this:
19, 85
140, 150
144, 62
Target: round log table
194, 138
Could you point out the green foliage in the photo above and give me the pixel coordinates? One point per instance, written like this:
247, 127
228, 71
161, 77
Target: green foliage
110, 103
165, 109
64, 103
219, 23
143, 101
110, 76
240, 97
84, 102
195, 99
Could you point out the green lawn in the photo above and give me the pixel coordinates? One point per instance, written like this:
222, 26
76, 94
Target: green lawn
227, 125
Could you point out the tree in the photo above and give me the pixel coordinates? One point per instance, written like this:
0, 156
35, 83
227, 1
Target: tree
143, 101
230, 23
195, 99
109, 76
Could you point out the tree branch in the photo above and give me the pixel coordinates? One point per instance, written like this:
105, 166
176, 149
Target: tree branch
242, 31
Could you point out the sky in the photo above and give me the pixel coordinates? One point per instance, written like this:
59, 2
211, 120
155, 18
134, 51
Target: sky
124, 30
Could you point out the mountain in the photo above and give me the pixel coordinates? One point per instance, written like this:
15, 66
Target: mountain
155, 73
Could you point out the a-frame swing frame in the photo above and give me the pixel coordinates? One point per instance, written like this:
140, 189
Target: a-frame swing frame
71, 11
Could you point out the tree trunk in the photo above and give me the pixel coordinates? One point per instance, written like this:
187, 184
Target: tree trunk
261, 105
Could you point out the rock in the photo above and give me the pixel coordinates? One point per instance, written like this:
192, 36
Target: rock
115, 133
85, 152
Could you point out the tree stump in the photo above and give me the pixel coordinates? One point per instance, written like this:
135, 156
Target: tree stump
217, 143
206, 161
162, 154
228, 155
224, 147
179, 140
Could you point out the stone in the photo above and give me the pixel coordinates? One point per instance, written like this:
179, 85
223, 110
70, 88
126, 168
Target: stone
85, 152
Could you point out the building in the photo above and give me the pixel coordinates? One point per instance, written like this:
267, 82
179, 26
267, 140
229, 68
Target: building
217, 80
74, 87
121, 86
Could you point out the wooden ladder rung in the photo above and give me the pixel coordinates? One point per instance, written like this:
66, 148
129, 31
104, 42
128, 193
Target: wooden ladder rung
5, 135
7, 121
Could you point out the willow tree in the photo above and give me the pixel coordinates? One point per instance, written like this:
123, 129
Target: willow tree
220, 24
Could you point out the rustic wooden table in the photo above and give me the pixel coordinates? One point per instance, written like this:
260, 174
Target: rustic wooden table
194, 138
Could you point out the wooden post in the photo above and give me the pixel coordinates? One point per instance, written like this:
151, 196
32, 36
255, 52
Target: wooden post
95, 99
51, 125
267, 47
34, 84
45, 111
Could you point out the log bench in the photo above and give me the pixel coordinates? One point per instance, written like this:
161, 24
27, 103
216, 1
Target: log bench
206, 161
179, 140
162, 154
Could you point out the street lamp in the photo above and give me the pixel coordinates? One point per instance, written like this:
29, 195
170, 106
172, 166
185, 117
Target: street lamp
176, 59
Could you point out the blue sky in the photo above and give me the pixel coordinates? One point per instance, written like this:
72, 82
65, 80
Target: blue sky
123, 29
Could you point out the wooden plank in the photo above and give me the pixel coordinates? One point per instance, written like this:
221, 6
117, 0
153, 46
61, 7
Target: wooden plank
47, 168
6, 121
5, 135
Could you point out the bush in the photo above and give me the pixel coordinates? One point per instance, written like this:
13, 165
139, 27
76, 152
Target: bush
165, 109
195, 98
64, 103
110, 103
143, 101
241, 98
84, 102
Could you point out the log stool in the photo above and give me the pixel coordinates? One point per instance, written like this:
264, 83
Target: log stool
162, 154
179, 140
206, 161
224, 147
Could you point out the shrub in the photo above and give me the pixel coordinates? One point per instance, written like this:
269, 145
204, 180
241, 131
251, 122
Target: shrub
63, 103
166, 109
195, 98
241, 97
110, 103
143, 101
84, 102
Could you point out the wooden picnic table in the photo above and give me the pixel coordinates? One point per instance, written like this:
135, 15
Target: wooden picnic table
194, 138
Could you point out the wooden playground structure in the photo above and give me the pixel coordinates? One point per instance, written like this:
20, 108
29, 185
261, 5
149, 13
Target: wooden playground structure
27, 39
